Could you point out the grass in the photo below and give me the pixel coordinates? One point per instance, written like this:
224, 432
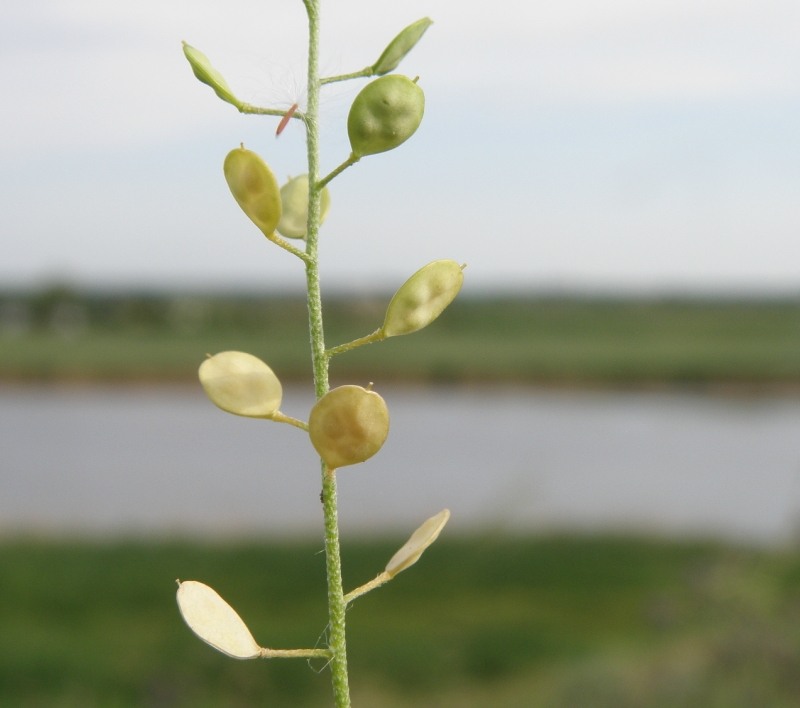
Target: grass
554, 621
549, 341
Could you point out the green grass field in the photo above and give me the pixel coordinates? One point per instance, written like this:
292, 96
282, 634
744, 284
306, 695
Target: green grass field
478, 622
545, 340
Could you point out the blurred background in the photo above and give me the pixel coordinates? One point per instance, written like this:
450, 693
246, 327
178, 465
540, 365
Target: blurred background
609, 409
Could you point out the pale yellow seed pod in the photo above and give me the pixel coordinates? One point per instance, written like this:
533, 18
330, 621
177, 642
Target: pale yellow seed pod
254, 187
423, 297
241, 384
349, 424
294, 206
412, 549
215, 621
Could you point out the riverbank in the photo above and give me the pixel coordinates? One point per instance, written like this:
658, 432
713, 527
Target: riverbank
552, 342
540, 621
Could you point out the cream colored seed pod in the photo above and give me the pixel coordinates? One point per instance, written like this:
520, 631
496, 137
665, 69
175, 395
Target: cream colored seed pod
294, 206
254, 187
412, 549
423, 297
241, 384
215, 621
349, 424
385, 114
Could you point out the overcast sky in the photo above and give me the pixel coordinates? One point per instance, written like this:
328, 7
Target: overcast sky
580, 144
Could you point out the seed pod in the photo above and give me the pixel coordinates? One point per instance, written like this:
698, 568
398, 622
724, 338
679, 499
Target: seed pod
401, 45
349, 424
423, 297
241, 384
384, 114
294, 206
412, 549
254, 187
202, 69
215, 621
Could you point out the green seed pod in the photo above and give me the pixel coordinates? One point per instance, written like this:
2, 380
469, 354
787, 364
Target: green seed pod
206, 73
349, 424
254, 187
401, 45
423, 297
241, 384
384, 114
294, 205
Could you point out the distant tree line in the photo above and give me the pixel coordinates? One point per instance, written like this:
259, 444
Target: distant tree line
60, 307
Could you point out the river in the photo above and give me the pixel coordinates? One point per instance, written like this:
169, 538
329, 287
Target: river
109, 461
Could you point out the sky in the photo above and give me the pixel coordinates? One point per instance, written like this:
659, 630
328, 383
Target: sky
579, 145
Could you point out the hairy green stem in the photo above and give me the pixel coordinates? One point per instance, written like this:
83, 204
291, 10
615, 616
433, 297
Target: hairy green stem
265, 653
375, 336
336, 605
341, 168
286, 246
279, 417
365, 73
250, 109
376, 582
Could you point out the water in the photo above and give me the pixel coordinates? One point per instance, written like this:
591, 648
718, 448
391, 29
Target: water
164, 460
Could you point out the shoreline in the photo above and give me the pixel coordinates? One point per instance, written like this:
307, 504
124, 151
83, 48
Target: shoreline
716, 388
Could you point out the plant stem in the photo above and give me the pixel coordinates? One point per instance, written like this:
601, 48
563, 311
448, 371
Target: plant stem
286, 246
375, 336
341, 168
279, 417
250, 109
265, 653
376, 582
336, 604
366, 72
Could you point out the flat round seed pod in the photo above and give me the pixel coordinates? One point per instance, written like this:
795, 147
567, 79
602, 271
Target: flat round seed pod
215, 621
423, 537
254, 188
349, 424
241, 384
294, 207
423, 297
385, 114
